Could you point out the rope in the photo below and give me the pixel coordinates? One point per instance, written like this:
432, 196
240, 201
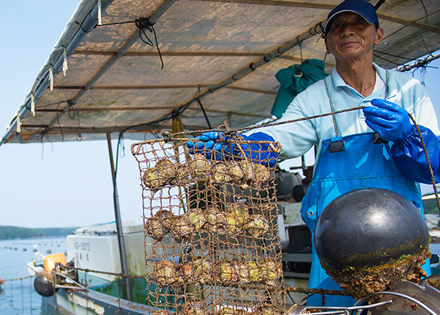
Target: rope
427, 160
275, 123
129, 276
16, 279
144, 24
333, 113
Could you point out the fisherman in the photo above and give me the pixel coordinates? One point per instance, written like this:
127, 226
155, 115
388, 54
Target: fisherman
377, 146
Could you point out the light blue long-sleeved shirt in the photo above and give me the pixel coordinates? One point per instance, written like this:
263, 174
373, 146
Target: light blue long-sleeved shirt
297, 138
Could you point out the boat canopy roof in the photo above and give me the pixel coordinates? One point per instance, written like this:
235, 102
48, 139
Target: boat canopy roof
133, 65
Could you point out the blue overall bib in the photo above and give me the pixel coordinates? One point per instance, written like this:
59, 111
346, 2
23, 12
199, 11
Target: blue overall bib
362, 164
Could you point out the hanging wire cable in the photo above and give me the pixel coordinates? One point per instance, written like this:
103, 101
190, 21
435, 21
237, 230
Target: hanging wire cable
387, 60
73, 113
59, 125
421, 28
144, 24
204, 113
377, 6
392, 55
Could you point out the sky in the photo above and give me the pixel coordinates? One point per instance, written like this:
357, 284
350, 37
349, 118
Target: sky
66, 184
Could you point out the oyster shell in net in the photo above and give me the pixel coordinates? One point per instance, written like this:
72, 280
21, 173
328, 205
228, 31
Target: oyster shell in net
165, 273
215, 220
182, 229
202, 270
236, 172
257, 225
194, 307
166, 217
261, 174
240, 212
220, 173
199, 166
197, 218
232, 226
157, 177
254, 272
155, 229
242, 270
226, 272
272, 271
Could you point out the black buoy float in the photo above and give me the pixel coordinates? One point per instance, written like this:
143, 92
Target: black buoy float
43, 286
368, 235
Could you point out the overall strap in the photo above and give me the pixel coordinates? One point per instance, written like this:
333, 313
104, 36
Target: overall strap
335, 124
337, 143
387, 92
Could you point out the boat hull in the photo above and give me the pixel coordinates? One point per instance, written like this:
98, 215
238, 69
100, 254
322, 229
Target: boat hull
67, 301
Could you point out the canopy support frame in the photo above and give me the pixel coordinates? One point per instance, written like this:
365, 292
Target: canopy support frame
119, 228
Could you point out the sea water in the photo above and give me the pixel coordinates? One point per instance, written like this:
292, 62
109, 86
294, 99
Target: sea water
17, 294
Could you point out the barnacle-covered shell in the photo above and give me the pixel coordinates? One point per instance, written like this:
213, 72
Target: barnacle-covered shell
182, 229
161, 312
262, 173
179, 278
181, 175
268, 309
187, 269
240, 211
215, 220
271, 271
220, 173
194, 307
248, 169
160, 175
232, 226
197, 218
202, 270
165, 273
226, 310
242, 269
155, 229
165, 217
257, 225
166, 169
153, 179
236, 172
184, 274
225, 272
254, 272
198, 166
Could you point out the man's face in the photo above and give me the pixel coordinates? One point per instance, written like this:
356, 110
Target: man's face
350, 37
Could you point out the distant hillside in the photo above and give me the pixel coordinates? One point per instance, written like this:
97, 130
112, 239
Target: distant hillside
430, 206
14, 232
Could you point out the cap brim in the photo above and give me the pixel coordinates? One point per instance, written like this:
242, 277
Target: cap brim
330, 19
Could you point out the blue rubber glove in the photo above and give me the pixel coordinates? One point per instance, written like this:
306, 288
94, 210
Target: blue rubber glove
410, 159
258, 153
208, 144
389, 120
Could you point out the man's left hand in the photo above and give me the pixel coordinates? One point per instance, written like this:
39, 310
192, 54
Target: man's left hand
389, 120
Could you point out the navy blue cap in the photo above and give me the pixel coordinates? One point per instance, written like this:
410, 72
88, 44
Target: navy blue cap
361, 7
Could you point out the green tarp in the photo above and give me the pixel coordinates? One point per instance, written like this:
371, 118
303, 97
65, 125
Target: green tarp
294, 80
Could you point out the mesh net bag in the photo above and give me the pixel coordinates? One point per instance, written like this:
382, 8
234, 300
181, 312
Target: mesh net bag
211, 236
